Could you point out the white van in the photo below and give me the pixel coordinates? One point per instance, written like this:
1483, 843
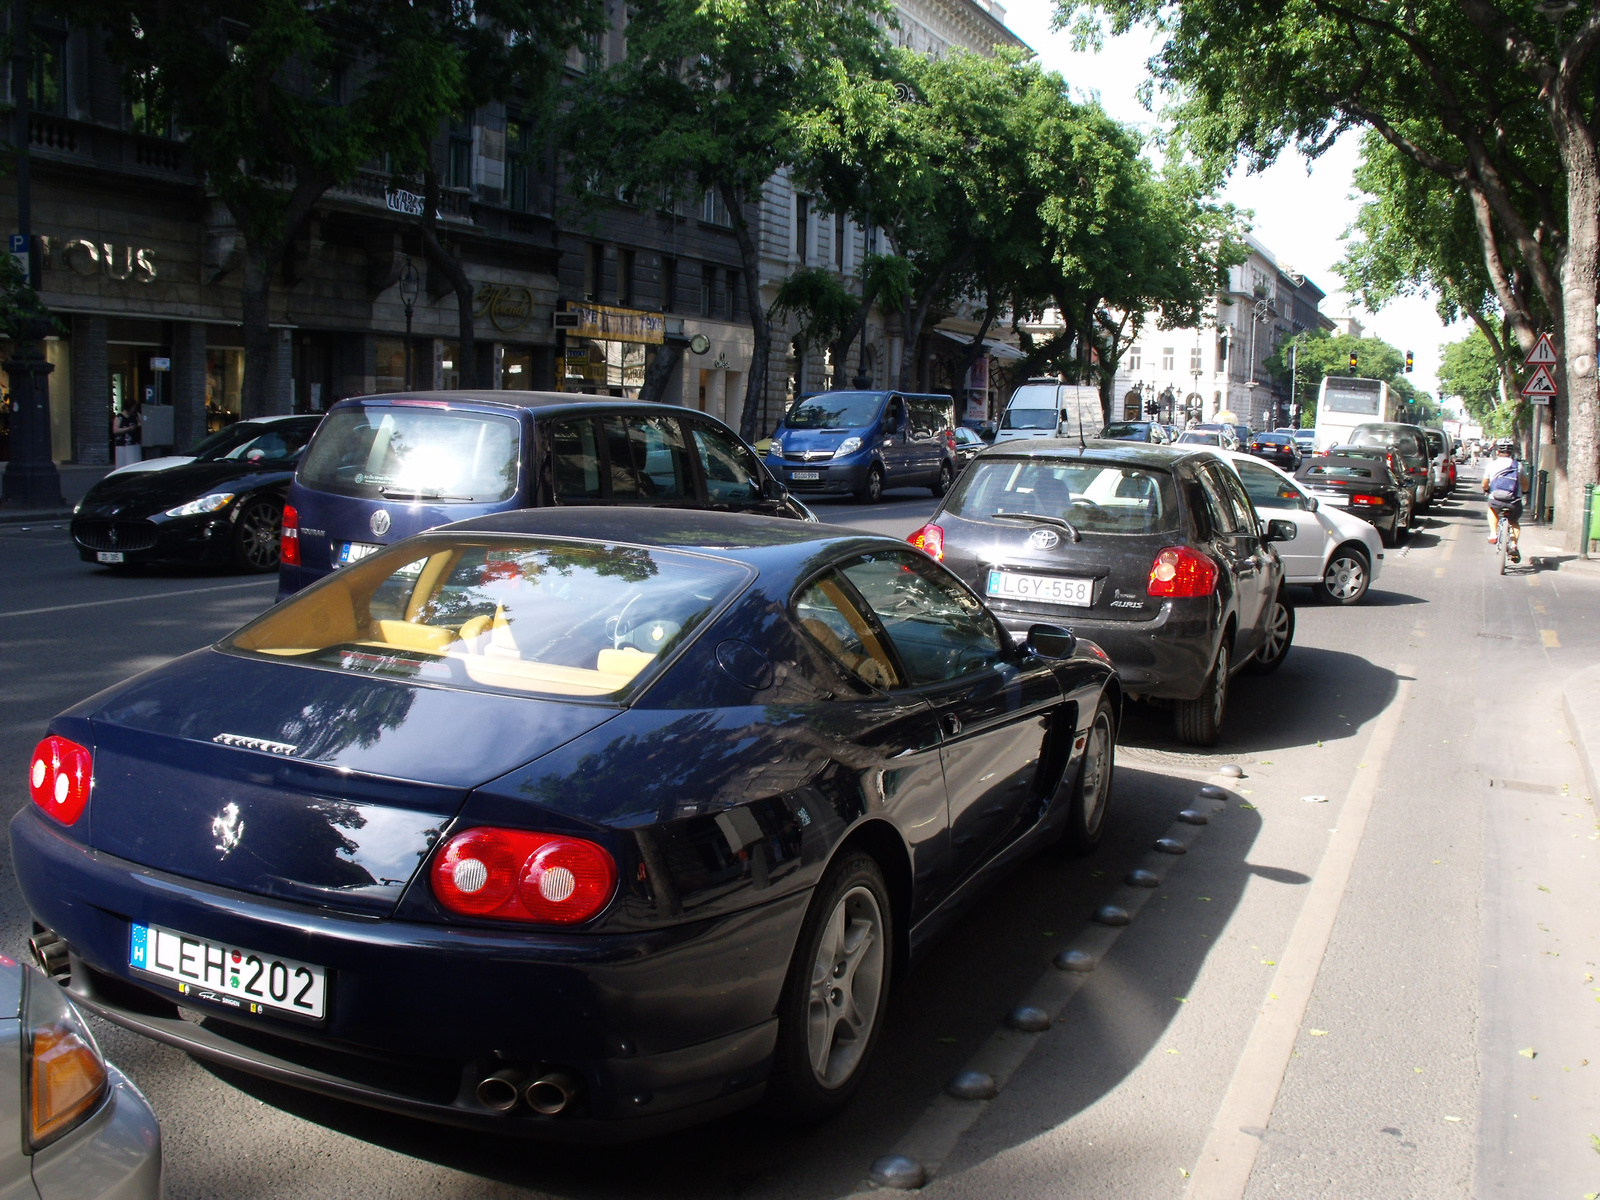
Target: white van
1043, 408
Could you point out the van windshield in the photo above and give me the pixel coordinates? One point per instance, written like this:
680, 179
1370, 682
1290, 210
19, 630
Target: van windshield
1095, 497
396, 452
835, 410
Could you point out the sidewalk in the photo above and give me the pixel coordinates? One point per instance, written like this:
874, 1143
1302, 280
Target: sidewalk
1540, 541
75, 482
1581, 699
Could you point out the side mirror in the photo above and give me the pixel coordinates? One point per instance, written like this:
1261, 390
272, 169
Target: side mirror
772, 489
1050, 641
1281, 531
1312, 503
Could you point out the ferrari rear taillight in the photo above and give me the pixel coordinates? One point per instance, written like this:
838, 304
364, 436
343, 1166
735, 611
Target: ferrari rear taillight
1368, 500
930, 540
518, 875
289, 543
1180, 572
59, 777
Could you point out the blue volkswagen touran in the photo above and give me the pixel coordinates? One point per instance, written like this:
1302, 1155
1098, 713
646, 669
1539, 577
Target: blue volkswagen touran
858, 443
381, 468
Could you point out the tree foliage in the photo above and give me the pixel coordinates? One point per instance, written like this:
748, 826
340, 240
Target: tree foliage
1491, 105
1471, 369
1321, 354
710, 97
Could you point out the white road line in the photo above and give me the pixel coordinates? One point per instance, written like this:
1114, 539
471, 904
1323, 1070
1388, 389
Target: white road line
55, 608
1229, 1156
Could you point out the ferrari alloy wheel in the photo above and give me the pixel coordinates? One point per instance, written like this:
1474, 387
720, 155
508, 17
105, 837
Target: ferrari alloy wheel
256, 534
835, 996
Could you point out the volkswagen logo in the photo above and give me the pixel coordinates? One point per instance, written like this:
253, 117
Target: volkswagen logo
1044, 539
381, 522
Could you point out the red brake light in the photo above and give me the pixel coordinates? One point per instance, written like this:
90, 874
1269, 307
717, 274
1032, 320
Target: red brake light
1366, 499
289, 541
1180, 572
930, 540
59, 777
516, 875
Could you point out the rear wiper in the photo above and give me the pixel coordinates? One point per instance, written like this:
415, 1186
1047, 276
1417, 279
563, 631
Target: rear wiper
391, 493
1058, 522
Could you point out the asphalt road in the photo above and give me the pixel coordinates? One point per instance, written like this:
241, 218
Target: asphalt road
1447, 926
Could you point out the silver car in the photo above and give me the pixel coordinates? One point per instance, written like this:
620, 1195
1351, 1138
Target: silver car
80, 1130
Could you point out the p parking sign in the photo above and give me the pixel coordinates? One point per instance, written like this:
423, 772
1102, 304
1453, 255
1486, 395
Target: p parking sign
19, 243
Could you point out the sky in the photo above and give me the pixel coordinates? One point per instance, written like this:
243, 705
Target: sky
1301, 210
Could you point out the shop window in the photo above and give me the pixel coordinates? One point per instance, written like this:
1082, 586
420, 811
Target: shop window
224, 382
516, 370
389, 370
458, 163
449, 366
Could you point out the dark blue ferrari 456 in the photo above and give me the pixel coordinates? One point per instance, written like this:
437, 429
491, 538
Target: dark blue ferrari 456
568, 823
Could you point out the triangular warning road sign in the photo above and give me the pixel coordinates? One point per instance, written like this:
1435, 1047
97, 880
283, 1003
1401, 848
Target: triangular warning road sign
1540, 383
1543, 353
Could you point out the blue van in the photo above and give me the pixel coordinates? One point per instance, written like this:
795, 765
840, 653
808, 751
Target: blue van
858, 443
382, 468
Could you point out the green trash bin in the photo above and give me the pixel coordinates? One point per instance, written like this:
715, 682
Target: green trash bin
1592, 503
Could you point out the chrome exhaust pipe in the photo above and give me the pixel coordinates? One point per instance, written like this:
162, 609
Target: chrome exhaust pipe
49, 952
551, 1093
500, 1090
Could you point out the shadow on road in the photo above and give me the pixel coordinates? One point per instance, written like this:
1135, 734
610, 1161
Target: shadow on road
939, 1014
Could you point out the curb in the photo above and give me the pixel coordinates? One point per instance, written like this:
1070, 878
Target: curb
40, 516
1580, 700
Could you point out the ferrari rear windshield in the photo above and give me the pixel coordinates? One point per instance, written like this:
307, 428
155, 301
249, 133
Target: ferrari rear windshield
1093, 497
530, 616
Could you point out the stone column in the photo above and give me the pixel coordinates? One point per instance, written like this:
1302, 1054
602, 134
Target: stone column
280, 382
91, 393
188, 383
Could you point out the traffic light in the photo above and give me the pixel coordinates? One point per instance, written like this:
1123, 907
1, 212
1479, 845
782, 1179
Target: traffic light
1352, 360
1410, 363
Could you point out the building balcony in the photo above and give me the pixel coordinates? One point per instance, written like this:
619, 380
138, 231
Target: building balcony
68, 142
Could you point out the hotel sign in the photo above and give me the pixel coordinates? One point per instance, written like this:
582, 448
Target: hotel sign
508, 306
607, 324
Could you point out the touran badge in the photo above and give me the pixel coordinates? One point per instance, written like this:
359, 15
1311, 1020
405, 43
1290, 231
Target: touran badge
380, 522
1044, 539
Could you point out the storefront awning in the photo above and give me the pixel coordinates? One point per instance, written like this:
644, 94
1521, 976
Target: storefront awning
997, 350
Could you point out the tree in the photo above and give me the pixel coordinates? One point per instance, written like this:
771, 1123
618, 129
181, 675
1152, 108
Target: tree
1488, 98
1473, 370
709, 98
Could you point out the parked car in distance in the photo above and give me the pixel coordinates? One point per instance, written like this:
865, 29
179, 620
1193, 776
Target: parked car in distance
222, 509
1135, 431
1305, 439
218, 444
968, 443
1279, 449
1411, 445
79, 1129
1359, 479
1337, 554
384, 467
858, 443
614, 788
985, 429
1154, 552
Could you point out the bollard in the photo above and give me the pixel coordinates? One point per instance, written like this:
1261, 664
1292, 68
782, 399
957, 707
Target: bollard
1586, 530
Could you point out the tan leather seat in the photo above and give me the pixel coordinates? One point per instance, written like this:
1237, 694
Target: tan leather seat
869, 670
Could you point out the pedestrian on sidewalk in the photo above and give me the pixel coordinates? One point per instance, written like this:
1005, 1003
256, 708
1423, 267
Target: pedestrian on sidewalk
125, 433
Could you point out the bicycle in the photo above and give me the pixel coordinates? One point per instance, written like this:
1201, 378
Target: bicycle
1507, 535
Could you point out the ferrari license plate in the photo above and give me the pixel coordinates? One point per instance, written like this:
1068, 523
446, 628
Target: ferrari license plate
229, 975
350, 552
108, 556
1047, 589
805, 475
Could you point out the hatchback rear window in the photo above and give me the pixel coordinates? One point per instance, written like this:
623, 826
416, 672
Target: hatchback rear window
1339, 471
402, 453
529, 616
1095, 497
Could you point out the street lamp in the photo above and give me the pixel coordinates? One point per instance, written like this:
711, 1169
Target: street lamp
410, 286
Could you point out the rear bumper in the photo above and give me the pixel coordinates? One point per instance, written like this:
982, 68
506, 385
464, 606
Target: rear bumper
1167, 657
663, 1028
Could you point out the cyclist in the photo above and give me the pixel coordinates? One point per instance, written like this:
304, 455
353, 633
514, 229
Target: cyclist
1502, 480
